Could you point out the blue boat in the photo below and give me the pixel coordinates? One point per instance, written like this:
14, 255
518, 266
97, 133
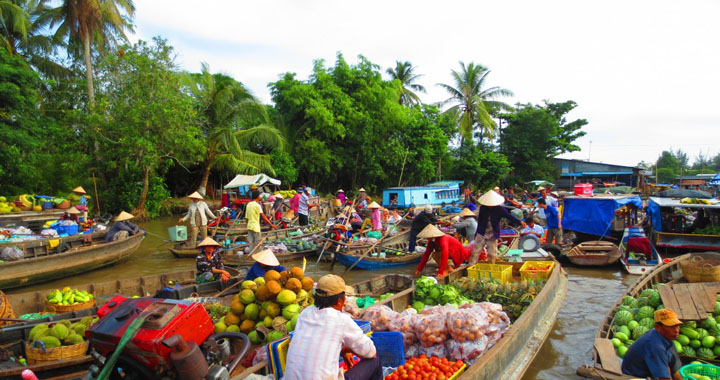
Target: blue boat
434, 193
593, 217
373, 263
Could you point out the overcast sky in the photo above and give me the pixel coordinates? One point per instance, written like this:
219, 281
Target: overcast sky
645, 74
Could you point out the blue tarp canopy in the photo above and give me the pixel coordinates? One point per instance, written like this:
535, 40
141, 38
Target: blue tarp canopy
594, 215
715, 181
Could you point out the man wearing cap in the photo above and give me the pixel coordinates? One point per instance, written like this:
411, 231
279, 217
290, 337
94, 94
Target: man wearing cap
209, 263
198, 214
488, 232
442, 247
265, 260
122, 227
304, 207
253, 213
468, 225
323, 333
653, 355
554, 232
532, 228
419, 223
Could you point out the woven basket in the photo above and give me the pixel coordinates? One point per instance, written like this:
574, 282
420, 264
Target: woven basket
63, 205
59, 309
6, 310
698, 269
44, 355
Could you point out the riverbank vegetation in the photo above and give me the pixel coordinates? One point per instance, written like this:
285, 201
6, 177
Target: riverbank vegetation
80, 105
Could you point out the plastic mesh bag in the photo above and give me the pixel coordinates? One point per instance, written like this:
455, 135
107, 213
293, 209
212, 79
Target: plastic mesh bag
430, 329
405, 324
380, 317
438, 350
11, 254
468, 350
467, 324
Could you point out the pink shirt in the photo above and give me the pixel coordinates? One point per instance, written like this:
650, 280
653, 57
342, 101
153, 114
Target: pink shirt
295, 202
375, 217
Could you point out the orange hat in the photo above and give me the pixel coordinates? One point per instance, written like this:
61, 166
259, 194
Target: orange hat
667, 317
331, 285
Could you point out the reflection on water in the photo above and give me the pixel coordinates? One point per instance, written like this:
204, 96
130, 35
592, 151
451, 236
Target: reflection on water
590, 295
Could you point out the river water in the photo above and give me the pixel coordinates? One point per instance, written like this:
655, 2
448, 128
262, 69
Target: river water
590, 295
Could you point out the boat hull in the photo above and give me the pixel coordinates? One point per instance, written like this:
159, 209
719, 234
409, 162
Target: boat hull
636, 267
374, 263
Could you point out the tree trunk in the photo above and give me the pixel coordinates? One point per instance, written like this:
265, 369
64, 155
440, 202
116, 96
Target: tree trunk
88, 70
140, 212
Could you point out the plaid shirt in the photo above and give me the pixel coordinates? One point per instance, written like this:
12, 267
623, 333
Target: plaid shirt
320, 334
205, 265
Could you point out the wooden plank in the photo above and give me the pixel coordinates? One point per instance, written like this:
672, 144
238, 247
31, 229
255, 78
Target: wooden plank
668, 298
711, 292
608, 358
688, 310
699, 298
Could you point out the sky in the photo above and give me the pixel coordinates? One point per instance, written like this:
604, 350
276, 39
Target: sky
645, 74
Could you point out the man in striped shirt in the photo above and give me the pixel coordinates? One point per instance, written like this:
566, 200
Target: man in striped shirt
323, 332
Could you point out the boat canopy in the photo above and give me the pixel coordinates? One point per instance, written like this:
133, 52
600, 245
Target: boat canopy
655, 203
247, 180
594, 215
683, 193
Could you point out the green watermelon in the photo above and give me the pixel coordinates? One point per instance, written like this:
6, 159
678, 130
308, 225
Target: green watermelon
702, 333
629, 301
645, 312
649, 323
647, 292
690, 324
639, 331
689, 351
708, 323
660, 307
717, 308
654, 300
678, 346
642, 301
705, 353
622, 317
684, 340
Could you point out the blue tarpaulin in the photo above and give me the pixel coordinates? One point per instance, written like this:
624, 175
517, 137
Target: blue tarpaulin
594, 215
654, 215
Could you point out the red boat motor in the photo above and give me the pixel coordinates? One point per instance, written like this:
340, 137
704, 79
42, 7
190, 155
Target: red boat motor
153, 338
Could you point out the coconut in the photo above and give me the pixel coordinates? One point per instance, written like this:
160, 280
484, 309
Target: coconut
297, 273
232, 319
307, 284
260, 281
237, 307
233, 328
252, 311
272, 275
247, 284
263, 293
286, 297
273, 309
294, 284
220, 327
284, 277
247, 326
247, 296
274, 288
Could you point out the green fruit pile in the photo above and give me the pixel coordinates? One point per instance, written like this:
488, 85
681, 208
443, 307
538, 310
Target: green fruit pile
295, 245
635, 317
68, 296
63, 333
273, 302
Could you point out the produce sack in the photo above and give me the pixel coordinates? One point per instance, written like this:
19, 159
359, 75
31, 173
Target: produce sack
11, 254
438, 350
380, 317
467, 351
412, 351
352, 308
405, 324
467, 324
430, 329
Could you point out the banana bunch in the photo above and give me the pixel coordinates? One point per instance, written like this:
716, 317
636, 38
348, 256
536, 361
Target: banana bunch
27, 200
68, 296
287, 194
696, 201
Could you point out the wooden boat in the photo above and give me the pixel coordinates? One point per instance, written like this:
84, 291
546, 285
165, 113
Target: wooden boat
671, 232
368, 262
41, 246
638, 265
594, 253
55, 263
605, 362
33, 220
247, 260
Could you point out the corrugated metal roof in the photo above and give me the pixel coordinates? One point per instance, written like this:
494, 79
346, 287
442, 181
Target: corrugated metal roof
594, 173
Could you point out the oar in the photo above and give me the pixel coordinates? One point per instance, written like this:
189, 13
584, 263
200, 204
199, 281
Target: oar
321, 252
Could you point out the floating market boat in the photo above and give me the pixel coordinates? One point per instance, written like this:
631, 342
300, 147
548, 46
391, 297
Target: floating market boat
672, 230
638, 254
594, 253
695, 300
55, 263
44, 245
395, 255
599, 217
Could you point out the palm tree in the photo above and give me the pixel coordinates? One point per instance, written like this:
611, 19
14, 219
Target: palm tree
403, 72
234, 121
473, 105
91, 22
14, 24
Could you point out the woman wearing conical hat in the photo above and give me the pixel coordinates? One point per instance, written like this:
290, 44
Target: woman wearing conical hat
467, 226
488, 229
198, 214
442, 247
265, 260
375, 216
122, 227
209, 263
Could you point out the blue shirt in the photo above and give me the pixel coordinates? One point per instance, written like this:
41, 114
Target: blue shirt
649, 356
551, 214
470, 206
257, 270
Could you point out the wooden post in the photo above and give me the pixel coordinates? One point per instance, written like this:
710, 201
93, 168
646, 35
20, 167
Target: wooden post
97, 200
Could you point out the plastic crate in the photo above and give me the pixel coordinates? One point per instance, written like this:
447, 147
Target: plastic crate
498, 272
177, 233
458, 373
529, 274
699, 369
390, 348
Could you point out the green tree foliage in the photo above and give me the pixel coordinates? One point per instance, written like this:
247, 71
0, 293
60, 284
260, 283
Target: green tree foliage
14, 24
478, 167
144, 118
405, 73
667, 167
535, 135
284, 166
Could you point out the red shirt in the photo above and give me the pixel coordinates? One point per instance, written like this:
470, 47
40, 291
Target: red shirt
449, 248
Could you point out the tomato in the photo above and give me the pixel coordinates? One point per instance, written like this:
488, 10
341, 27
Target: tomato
423, 356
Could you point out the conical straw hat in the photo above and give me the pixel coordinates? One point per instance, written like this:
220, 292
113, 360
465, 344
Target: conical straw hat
491, 198
73, 210
467, 212
340, 191
124, 216
430, 231
362, 189
374, 205
278, 195
195, 195
290, 214
266, 257
208, 241
79, 189
342, 216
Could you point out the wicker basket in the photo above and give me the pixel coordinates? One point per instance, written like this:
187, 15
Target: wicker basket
44, 355
6, 310
698, 269
63, 205
59, 309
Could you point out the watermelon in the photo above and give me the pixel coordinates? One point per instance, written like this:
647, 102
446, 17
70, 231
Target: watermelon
629, 301
717, 308
716, 350
702, 333
660, 307
654, 300
705, 353
684, 340
647, 292
639, 331
622, 336
695, 343
690, 324
708, 323
622, 317
625, 330
647, 322
632, 324
708, 341
645, 312
678, 346
689, 351
642, 301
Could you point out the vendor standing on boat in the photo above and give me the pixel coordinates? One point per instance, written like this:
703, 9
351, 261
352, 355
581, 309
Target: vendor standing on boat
277, 206
198, 214
253, 213
488, 232
442, 247
419, 223
265, 260
554, 232
362, 198
304, 207
653, 355
341, 196
375, 216
122, 227
209, 263
467, 226
323, 333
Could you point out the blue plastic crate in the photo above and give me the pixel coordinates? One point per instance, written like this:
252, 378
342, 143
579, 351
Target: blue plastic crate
390, 348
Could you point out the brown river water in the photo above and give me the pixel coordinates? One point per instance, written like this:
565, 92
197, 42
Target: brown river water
590, 295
